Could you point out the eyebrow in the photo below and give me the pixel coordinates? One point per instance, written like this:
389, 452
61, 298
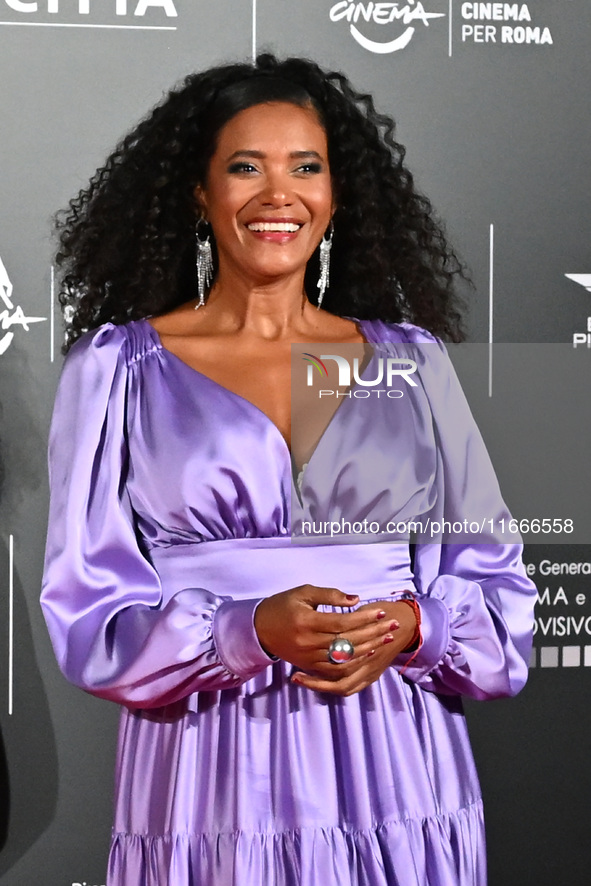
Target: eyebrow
260, 155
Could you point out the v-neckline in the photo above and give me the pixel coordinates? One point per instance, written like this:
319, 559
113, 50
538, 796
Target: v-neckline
155, 336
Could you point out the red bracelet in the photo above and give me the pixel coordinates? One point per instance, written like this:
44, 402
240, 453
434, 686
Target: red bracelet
414, 643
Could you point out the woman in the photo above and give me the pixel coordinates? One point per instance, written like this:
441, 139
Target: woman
292, 713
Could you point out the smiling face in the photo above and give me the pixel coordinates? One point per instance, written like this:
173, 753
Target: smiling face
268, 194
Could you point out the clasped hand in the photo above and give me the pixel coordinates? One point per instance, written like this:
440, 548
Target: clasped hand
289, 626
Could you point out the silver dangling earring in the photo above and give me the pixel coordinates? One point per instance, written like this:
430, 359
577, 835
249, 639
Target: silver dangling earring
204, 263
323, 280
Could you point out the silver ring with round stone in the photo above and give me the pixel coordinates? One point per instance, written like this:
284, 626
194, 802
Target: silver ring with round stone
340, 650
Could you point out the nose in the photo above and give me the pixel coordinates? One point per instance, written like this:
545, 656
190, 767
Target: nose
277, 190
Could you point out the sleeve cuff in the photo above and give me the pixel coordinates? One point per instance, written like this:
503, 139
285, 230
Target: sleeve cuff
236, 640
435, 636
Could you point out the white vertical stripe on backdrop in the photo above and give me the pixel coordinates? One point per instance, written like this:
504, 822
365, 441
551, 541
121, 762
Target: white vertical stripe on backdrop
450, 28
491, 282
10, 619
254, 30
52, 316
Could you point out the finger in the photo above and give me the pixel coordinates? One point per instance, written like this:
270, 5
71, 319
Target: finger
344, 622
373, 633
343, 679
349, 685
383, 649
363, 640
317, 596
315, 645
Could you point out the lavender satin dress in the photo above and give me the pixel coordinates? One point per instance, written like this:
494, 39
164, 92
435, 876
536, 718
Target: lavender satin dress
169, 522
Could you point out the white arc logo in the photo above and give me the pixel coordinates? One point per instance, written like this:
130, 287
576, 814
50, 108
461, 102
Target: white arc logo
382, 14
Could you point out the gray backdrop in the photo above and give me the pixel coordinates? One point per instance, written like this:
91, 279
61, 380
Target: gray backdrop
492, 102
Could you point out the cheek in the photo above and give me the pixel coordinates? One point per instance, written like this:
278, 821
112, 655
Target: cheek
324, 197
229, 199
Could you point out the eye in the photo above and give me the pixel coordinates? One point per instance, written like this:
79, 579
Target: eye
310, 168
241, 166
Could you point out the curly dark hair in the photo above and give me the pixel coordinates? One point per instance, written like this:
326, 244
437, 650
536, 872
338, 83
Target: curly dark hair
127, 241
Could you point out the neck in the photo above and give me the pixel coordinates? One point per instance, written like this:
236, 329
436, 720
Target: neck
269, 309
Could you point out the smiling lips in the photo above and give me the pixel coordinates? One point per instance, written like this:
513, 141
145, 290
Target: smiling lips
274, 226
281, 227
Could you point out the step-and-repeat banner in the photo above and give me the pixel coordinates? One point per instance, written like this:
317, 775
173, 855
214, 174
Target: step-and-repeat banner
492, 101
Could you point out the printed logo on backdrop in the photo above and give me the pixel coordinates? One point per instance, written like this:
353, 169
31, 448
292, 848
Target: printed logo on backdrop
503, 23
385, 27
86, 12
582, 339
562, 629
11, 316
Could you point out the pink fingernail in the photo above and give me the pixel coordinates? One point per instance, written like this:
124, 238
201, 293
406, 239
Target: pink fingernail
394, 626
296, 679
388, 639
351, 597
369, 654
381, 614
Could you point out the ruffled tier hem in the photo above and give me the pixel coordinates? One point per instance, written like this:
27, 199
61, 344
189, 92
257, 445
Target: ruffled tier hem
445, 850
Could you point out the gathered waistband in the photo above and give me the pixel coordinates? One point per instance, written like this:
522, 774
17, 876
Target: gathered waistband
258, 567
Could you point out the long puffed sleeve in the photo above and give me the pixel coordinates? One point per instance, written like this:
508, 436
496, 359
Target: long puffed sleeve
475, 598
112, 632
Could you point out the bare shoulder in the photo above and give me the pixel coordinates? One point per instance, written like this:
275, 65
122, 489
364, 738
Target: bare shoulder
181, 321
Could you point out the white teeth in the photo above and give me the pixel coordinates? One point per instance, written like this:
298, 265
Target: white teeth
289, 227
